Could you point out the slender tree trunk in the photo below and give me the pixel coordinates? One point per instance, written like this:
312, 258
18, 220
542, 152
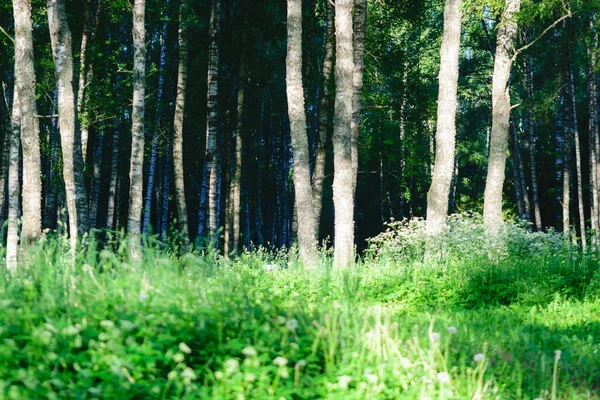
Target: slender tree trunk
513, 142
158, 119
86, 73
439, 192
77, 203
6, 142
163, 212
96, 171
566, 171
136, 171
178, 171
14, 189
30, 140
324, 105
575, 131
360, 19
593, 140
236, 179
343, 191
112, 188
211, 121
297, 117
492, 204
522, 177
532, 145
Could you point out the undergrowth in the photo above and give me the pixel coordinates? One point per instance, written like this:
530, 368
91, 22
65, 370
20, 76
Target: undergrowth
479, 323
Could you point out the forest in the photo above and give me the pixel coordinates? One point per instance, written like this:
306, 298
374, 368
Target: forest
300, 199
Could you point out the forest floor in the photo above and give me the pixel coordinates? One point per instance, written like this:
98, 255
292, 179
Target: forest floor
260, 327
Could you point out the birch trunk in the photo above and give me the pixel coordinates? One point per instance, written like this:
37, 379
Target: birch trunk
12, 241
360, 19
343, 191
96, 171
70, 135
136, 171
178, 123
112, 188
211, 121
297, 117
6, 142
575, 131
86, 70
492, 204
324, 105
593, 140
163, 212
30, 140
514, 152
532, 146
566, 172
445, 137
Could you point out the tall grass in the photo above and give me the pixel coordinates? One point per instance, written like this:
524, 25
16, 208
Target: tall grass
523, 324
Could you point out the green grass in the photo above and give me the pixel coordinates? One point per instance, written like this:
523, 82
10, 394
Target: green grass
197, 327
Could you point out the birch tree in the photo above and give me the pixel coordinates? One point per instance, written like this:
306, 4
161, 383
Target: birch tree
439, 192
507, 31
70, 135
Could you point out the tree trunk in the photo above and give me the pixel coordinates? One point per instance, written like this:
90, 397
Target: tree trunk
297, 117
85, 67
445, 137
532, 145
492, 204
211, 121
114, 174
593, 141
519, 190
96, 171
70, 135
178, 171
12, 241
360, 19
324, 105
6, 142
163, 211
566, 170
136, 171
343, 191
30, 140
575, 131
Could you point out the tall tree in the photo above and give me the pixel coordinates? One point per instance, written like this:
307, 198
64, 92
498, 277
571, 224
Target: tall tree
531, 142
297, 117
343, 191
211, 120
360, 21
507, 31
178, 122
136, 169
14, 189
439, 192
30, 140
70, 134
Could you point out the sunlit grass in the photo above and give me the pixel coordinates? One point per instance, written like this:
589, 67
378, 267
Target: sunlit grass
200, 326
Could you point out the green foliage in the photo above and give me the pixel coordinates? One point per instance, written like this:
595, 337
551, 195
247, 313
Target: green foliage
204, 327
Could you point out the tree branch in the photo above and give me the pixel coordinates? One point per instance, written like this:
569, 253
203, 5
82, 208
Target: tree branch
528, 45
7, 35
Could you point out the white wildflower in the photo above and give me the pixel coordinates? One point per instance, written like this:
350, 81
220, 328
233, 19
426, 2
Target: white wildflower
188, 374
344, 381
249, 351
292, 324
443, 377
478, 357
184, 348
435, 337
557, 354
231, 366
280, 361
372, 378
178, 358
250, 377
452, 330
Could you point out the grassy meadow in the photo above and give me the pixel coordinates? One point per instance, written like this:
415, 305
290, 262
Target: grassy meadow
517, 317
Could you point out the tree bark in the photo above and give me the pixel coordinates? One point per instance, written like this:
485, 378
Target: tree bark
439, 192
594, 140
77, 203
96, 171
492, 204
343, 191
211, 121
12, 241
136, 170
575, 131
360, 19
530, 128
566, 171
297, 117
114, 174
178, 123
86, 71
324, 105
30, 141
